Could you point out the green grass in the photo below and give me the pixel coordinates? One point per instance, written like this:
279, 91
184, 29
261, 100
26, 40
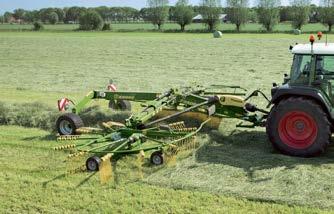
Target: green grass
194, 27
44, 66
244, 164
33, 180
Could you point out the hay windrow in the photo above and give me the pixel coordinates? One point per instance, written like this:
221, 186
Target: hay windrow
39, 115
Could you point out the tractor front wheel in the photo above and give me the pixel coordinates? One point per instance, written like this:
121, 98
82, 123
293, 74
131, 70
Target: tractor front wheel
68, 123
298, 127
123, 105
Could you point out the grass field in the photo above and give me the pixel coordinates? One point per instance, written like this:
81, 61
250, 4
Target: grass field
234, 171
33, 180
170, 27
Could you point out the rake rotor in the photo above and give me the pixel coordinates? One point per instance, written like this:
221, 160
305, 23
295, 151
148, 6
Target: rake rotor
163, 143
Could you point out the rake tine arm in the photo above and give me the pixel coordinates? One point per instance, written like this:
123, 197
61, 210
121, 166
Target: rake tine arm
99, 140
105, 145
187, 135
192, 133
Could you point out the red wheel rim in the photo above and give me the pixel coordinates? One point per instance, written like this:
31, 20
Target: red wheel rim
297, 129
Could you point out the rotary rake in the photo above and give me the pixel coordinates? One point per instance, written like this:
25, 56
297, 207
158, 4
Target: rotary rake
144, 133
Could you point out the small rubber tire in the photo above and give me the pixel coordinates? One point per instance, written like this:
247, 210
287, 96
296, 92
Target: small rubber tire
298, 126
157, 158
93, 164
123, 105
68, 123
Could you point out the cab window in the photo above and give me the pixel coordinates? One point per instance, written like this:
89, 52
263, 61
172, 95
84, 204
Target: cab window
301, 66
325, 65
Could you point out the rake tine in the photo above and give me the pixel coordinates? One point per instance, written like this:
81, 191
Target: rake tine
70, 146
67, 137
78, 154
79, 169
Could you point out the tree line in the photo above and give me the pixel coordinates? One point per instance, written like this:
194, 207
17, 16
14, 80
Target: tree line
267, 12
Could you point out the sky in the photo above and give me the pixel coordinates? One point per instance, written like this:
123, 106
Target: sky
10, 5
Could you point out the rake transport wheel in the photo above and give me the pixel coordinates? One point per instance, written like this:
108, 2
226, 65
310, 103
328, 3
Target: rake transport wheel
157, 158
298, 127
68, 123
123, 105
93, 164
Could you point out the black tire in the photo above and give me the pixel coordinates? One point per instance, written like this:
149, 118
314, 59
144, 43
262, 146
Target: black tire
68, 123
298, 126
157, 158
123, 105
93, 164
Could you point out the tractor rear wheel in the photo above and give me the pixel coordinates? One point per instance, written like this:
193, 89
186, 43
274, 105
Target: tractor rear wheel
68, 123
123, 105
298, 127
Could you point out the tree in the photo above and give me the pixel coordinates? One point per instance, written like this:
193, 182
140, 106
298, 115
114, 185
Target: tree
53, 18
73, 13
300, 12
252, 15
90, 20
314, 14
61, 14
45, 14
268, 13
7, 16
2, 19
158, 12
19, 14
210, 11
238, 12
327, 13
182, 13
144, 14
37, 26
104, 12
285, 13
31, 16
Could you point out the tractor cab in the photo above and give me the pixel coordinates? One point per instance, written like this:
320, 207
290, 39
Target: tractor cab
313, 65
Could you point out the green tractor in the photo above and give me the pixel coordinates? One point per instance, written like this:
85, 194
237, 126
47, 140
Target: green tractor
300, 122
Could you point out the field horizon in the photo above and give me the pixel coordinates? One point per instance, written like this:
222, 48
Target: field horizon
284, 27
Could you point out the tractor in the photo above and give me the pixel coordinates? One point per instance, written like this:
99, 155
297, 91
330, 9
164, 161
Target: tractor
300, 122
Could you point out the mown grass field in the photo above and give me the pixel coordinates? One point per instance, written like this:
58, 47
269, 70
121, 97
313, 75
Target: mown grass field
33, 180
233, 171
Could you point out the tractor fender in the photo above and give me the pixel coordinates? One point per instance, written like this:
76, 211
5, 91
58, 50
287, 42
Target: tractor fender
282, 92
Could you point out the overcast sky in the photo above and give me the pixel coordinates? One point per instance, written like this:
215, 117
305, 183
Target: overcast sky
10, 5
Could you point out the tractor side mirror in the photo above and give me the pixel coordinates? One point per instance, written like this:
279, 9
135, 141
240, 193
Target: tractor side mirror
286, 78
